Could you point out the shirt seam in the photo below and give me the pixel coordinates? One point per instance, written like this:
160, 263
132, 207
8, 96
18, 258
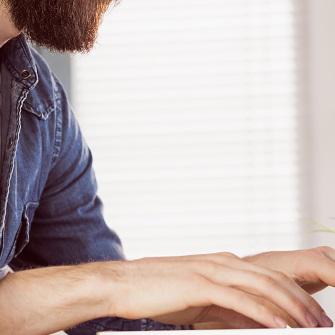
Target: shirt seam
58, 129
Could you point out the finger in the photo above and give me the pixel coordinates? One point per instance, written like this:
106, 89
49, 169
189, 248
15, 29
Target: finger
328, 251
308, 306
282, 313
263, 285
325, 271
247, 324
226, 318
245, 304
309, 302
314, 310
241, 322
313, 306
223, 318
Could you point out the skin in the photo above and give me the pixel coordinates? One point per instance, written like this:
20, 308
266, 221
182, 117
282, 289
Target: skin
7, 28
210, 291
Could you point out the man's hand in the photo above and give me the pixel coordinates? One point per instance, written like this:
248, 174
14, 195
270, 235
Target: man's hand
313, 269
208, 288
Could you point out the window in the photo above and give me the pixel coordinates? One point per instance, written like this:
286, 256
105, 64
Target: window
191, 109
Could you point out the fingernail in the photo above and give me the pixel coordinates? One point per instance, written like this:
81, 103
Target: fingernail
311, 320
326, 321
281, 323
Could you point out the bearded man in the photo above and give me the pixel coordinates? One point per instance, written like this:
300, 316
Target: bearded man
61, 266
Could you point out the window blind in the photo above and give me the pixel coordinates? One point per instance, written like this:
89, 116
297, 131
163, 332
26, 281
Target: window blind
191, 109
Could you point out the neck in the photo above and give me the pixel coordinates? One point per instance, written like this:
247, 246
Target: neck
7, 27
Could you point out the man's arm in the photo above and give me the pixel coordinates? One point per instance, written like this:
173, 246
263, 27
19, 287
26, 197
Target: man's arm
43, 301
177, 290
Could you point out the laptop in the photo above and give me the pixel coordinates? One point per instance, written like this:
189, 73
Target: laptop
291, 331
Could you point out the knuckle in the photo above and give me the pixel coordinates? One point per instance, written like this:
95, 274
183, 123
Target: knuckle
204, 266
228, 255
210, 267
267, 281
242, 299
281, 277
314, 305
299, 307
262, 310
197, 282
323, 249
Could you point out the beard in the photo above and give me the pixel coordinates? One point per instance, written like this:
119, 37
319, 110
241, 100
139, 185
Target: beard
60, 25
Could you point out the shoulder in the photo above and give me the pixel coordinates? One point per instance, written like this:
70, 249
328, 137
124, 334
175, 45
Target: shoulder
50, 102
68, 136
48, 96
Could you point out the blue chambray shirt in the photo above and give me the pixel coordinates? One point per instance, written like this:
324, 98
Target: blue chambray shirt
50, 213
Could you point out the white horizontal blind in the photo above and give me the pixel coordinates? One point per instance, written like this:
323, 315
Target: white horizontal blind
191, 109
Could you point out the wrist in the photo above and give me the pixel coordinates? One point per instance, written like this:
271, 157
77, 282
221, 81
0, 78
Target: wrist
106, 280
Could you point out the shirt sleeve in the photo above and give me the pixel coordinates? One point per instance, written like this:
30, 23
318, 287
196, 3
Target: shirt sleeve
68, 226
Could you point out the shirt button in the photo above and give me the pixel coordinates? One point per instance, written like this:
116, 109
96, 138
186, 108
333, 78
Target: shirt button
25, 74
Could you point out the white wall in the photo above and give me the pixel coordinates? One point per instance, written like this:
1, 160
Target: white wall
196, 147
321, 109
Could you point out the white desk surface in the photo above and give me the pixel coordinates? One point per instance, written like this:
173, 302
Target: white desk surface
300, 331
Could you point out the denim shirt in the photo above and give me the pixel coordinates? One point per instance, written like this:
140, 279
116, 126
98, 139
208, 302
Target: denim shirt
50, 213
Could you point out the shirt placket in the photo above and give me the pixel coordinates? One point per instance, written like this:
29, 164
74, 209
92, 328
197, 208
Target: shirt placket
13, 97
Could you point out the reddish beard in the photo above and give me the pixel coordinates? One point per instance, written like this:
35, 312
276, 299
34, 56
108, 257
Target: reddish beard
62, 25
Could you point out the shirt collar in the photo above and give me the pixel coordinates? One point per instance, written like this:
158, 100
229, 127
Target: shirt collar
20, 62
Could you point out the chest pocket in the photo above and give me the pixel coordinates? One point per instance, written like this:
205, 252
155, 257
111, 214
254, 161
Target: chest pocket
23, 234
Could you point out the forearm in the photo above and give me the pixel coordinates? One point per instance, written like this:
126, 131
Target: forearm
46, 300
173, 290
